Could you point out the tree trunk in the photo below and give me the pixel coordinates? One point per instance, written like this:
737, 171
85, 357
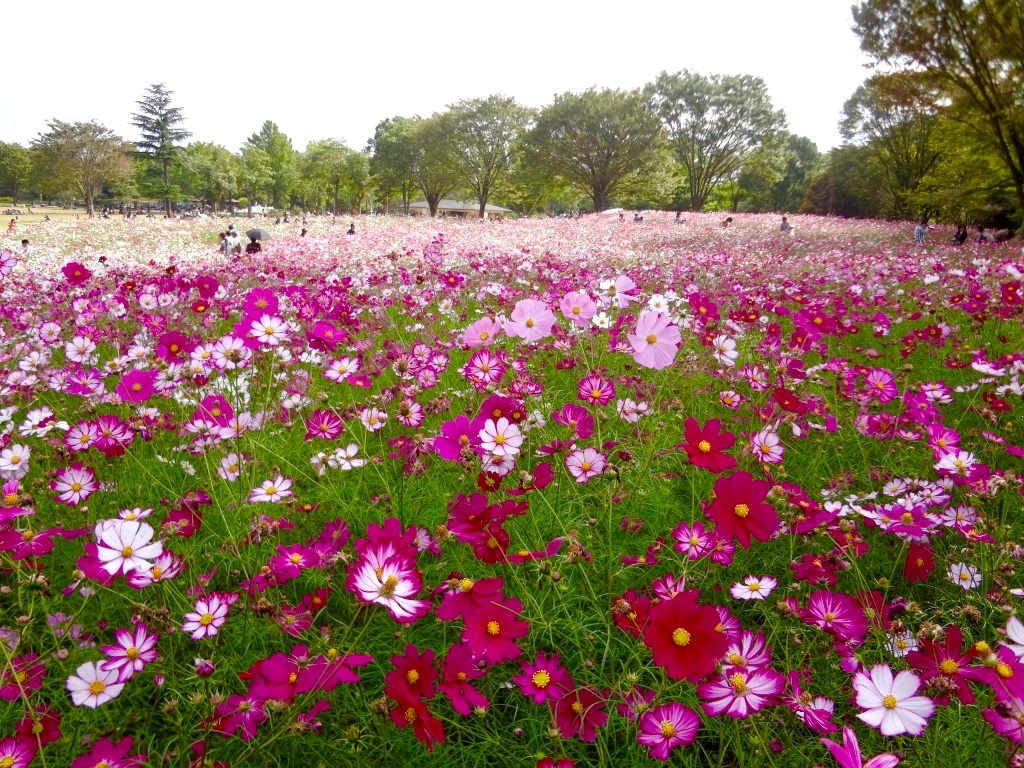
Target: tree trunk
167, 189
433, 201
599, 199
87, 190
336, 186
483, 208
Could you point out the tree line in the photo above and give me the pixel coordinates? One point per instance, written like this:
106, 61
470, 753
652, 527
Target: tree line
937, 131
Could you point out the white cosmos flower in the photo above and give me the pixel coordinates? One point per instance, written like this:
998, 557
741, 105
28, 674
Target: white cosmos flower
1015, 633
91, 686
126, 545
753, 588
967, 576
890, 703
270, 330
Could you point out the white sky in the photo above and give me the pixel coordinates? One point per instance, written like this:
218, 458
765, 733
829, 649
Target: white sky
352, 64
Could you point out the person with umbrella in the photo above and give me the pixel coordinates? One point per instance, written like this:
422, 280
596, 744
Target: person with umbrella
253, 246
255, 235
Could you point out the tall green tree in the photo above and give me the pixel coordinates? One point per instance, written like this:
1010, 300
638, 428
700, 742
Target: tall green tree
883, 116
482, 138
431, 171
281, 158
255, 173
82, 157
966, 60
325, 165
159, 124
845, 186
594, 139
15, 169
393, 159
210, 171
715, 123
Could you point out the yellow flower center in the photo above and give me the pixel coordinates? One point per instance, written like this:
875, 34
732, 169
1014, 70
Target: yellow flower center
127, 552
410, 715
651, 338
499, 439
206, 619
541, 678
680, 637
830, 617
461, 677
156, 571
412, 676
96, 687
296, 558
585, 466
577, 707
388, 587
704, 446
529, 323
10, 499
890, 702
577, 310
754, 586
132, 653
466, 584
484, 336
741, 510
270, 490
668, 730
1004, 671
737, 660
949, 667
293, 677
982, 647
739, 683
596, 394
907, 518
493, 628
76, 487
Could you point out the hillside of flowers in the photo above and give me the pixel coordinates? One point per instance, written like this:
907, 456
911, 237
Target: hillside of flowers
541, 493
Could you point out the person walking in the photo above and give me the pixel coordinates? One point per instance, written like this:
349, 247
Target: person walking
920, 231
234, 243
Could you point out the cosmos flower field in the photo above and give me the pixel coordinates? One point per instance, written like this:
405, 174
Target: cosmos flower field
530, 493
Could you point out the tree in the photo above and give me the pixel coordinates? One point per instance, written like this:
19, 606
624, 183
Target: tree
481, 139
325, 163
83, 156
846, 185
715, 123
281, 159
15, 168
431, 171
211, 171
967, 62
393, 159
778, 176
884, 117
255, 173
595, 139
158, 123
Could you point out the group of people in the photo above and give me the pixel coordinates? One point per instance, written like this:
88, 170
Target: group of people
999, 236
231, 243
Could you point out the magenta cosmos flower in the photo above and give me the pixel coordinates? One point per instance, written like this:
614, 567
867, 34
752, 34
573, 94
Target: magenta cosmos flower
544, 679
74, 484
132, 651
531, 320
667, 727
848, 755
136, 386
741, 691
654, 341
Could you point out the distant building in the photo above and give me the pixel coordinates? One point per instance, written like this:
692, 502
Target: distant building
458, 209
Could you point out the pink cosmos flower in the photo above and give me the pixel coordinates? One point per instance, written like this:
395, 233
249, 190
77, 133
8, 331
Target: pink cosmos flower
16, 753
890, 703
543, 679
272, 491
92, 686
578, 307
373, 419
585, 464
484, 367
766, 447
593, 390
531, 320
754, 588
389, 582
739, 691
849, 756
136, 386
655, 341
74, 484
482, 333
210, 614
666, 727
323, 424
134, 649
838, 614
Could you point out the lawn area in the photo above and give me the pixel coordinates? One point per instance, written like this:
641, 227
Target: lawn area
534, 493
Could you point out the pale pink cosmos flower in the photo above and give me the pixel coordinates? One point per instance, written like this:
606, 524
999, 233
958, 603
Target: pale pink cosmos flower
209, 616
730, 399
373, 419
390, 583
230, 467
531, 320
631, 411
891, 703
272, 491
725, 350
578, 307
740, 691
585, 463
654, 341
92, 686
766, 447
617, 291
481, 333
753, 588
269, 330
501, 437
126, 545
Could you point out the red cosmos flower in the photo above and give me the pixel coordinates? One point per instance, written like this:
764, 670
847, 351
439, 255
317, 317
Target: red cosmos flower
464, 595
920, 563
412, 711
740, 510
40, 727
413, 673
459, 669
22, 676
493, 628
704, 446
581, 713
947, 660
630, 613
207, 286
684, 637
788, 401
